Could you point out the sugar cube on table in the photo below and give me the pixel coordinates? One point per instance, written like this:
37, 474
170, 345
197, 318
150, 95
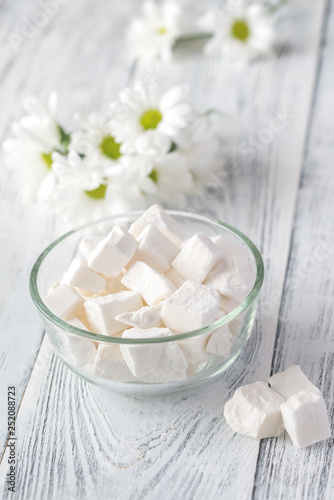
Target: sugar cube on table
220, 341
154, 363
255, 410
162, 220
102, 311
197, 258
151, 285
291, 381
192, 306
175, 277
305, 418
79, 276
146, 317
63, 301
113, 253
87, 245
228, 282
155, 249
110, 364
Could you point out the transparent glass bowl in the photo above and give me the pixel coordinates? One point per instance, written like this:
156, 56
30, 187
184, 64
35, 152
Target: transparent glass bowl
77, 348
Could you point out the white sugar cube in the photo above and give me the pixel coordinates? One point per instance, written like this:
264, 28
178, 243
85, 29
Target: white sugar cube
291, 381
102, 311
228, 282
79, 276
87, 245
146, 317
113, 253
175, 277
154, 363
197, 258
63, 301
254, 410
305, 418
221, 340
155, 249
151, 285
192, 306
159, 218
110, 364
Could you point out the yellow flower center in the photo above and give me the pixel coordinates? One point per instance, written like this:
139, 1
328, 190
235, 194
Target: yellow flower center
162, 31
110, 147
47, 158
150, 119
240, 30
98, 193
154, 176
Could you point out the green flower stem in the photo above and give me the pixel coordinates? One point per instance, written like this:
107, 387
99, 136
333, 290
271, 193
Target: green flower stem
192, 37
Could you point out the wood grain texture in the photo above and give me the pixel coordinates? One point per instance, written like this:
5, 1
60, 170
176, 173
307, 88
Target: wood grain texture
79, 442
305, 333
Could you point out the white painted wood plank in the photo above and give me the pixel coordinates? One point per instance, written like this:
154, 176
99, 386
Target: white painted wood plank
305, 333
93, 443
62, 55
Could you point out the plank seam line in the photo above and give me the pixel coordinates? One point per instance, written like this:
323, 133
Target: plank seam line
23, 394
320, 54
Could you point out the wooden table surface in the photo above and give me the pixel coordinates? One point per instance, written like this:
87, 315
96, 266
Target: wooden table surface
77, 442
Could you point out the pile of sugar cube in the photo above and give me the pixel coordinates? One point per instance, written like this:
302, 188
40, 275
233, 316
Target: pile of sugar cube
292, 402
150, 282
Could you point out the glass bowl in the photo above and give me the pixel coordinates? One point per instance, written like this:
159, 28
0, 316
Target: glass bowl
77, 348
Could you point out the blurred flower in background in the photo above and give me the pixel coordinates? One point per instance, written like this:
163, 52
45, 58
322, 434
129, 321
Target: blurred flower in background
158, 149
153, 34
240, 34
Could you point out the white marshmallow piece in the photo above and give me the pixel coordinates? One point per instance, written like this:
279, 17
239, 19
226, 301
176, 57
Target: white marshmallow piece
151, 285
113, 253
255, 411
102, 311
228, 282
160, 219
291, 381
305, 418
79, 276
110, 364
87, 245
146, 317
78, 351
192, 306
63, 301
114, 285
197, 258
194, 349
241, 256
221, 340
155, 249
154, 363
175, 277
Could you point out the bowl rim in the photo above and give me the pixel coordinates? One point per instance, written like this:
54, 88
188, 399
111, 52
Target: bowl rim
243, 306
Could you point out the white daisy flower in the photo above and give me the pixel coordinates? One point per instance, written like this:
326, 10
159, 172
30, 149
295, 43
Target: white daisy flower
149, 117
153, 34
240, 34
82, 193
34, 138
169, 181
198, 146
